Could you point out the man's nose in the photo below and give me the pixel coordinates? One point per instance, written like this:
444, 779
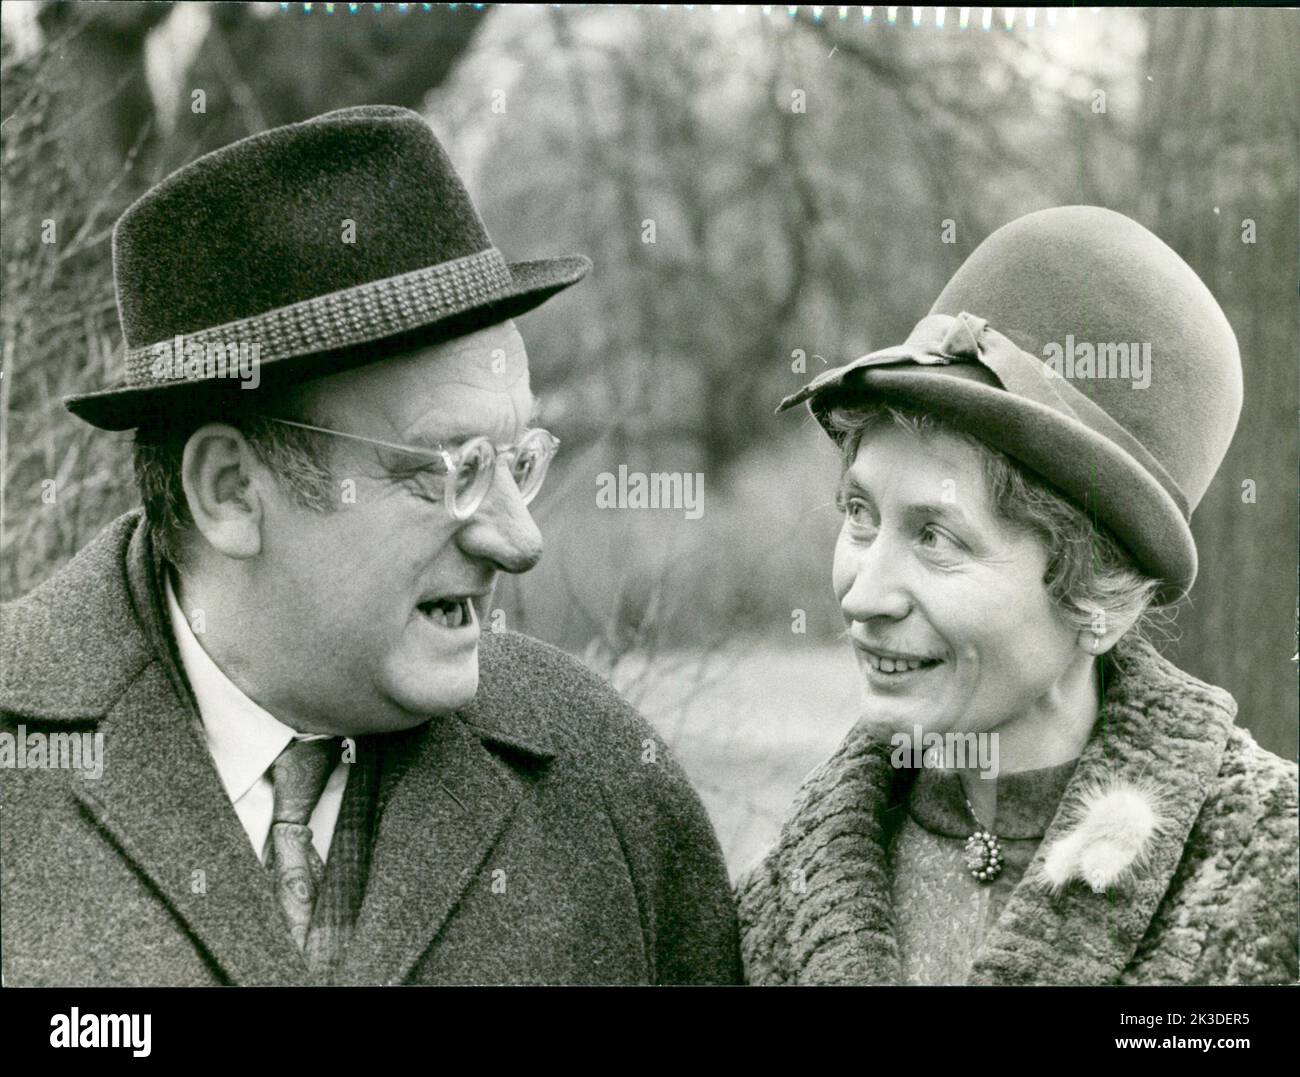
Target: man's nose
879, 586
503, 531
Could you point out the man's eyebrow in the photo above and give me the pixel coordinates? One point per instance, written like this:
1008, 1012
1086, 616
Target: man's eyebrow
450, 432
429, 441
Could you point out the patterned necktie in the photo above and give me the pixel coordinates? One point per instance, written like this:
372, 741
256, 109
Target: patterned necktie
298, 777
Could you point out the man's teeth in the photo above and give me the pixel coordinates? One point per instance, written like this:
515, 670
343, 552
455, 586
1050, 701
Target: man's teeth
450, 613
896, 665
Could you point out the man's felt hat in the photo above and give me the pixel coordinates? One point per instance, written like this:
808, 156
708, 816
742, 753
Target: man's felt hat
1080, 345
330, 243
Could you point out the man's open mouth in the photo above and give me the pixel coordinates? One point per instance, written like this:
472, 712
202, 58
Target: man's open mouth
448, 612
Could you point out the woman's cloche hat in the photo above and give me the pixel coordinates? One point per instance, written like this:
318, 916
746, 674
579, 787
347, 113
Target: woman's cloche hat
329, 243
1079, 344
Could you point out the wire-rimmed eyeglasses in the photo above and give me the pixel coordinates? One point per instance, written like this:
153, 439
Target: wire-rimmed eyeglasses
468, 471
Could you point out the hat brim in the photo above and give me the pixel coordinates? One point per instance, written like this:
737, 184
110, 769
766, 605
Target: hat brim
532, 283
1090, 469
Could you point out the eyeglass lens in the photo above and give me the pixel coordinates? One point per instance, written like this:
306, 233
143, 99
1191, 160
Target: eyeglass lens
473, 478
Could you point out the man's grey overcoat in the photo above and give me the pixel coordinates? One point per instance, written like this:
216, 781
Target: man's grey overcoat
541, 835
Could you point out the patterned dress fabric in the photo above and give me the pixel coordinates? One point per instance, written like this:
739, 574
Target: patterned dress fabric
943, 913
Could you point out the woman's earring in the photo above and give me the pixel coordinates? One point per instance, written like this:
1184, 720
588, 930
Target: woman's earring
1096, 642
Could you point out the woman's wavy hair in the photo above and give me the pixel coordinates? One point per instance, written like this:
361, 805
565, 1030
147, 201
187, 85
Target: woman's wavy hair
1089, 574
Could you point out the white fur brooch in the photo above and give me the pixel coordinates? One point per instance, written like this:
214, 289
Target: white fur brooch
1112, 830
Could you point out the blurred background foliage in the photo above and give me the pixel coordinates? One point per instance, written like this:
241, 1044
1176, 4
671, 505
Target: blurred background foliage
763, 195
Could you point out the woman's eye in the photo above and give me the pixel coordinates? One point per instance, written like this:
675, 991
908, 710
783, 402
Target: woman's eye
939, 540
855, 511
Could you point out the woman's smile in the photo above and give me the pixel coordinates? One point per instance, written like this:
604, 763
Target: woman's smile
891, 660
894, 670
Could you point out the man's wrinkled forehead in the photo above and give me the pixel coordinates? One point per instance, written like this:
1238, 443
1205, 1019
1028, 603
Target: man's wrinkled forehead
492, 359
477, 384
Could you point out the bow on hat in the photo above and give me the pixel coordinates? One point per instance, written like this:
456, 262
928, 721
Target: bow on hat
941, 339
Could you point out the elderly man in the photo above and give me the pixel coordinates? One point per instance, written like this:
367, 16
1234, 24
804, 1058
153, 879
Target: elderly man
315, 769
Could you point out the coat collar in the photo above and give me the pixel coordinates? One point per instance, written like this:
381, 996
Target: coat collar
92, 645
73, 646
1159, 729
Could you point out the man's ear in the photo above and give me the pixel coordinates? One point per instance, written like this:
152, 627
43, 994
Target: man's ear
217, 472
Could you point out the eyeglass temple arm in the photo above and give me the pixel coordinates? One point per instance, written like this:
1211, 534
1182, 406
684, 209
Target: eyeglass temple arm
555, 442
440, 453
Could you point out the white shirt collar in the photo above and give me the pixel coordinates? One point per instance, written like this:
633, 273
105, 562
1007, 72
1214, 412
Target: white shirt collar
243, 739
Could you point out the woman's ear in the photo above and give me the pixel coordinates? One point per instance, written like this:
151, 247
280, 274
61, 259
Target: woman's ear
217, 472
1104, 632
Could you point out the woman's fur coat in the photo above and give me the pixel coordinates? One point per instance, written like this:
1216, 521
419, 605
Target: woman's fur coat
1172, 858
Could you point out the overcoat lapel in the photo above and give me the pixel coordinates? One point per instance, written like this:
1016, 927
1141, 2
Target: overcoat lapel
162, 802
447, 792
444, 800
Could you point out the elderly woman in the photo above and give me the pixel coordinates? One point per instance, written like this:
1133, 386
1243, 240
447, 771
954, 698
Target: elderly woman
1032, 794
